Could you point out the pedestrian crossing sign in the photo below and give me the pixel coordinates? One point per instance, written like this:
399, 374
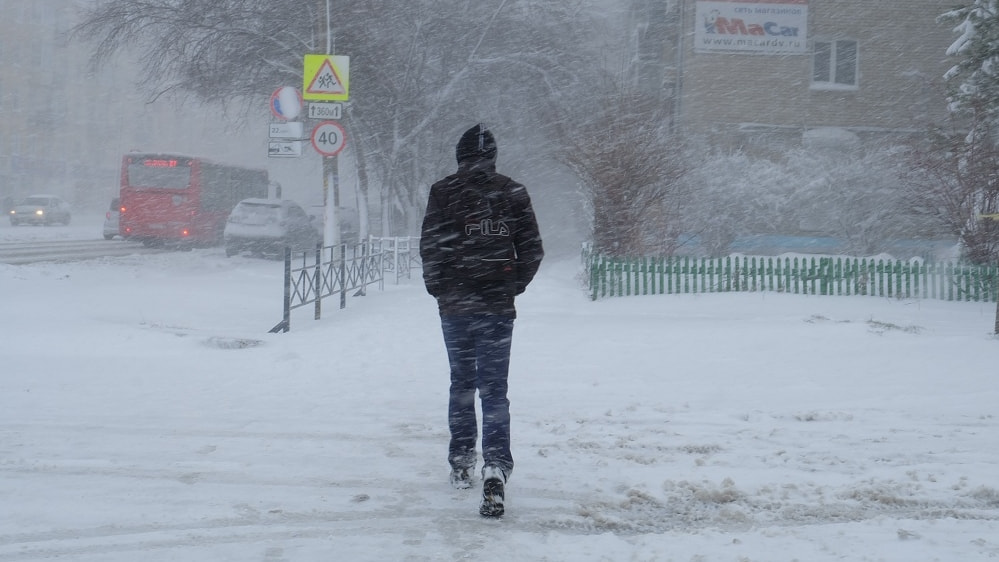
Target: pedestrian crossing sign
326, 78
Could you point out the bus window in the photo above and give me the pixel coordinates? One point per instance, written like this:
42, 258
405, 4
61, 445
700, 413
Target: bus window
152, 173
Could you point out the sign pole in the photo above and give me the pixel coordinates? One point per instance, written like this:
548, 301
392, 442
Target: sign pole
328, 138
326, 79
331, 179
331, 168
329, 30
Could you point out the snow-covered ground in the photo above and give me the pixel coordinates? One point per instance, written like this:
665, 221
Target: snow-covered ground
146, 414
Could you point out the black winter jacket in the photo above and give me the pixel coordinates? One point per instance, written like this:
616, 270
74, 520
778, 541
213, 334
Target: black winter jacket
455, 293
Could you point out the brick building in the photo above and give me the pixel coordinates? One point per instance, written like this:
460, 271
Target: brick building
753, 73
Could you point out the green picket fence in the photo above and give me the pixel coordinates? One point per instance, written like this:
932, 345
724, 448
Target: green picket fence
612, 277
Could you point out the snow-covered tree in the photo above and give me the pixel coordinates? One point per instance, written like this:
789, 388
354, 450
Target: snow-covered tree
960, 184
855, 194
421, 72
974, 78
966, 168
728, 194
851, 194
628, 166
954, 182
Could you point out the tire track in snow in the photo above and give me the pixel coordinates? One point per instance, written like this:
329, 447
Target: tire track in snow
262, 528
20, 253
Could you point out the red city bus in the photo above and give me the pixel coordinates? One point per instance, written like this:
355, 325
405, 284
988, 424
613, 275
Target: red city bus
172, 199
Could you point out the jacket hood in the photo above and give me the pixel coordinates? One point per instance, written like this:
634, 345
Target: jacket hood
476, 143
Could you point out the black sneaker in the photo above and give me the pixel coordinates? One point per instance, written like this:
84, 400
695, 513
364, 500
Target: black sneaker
461, 478
492, 492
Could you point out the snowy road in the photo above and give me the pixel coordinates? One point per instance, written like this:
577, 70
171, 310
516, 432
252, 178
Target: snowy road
82, 240
17, 253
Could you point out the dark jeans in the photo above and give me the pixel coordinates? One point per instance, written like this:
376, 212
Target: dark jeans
478, 350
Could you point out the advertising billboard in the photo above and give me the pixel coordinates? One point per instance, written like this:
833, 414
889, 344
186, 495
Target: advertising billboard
766, 27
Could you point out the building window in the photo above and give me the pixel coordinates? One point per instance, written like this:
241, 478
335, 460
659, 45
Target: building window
834, 64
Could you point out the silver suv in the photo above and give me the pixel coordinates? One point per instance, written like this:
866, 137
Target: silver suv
266, 226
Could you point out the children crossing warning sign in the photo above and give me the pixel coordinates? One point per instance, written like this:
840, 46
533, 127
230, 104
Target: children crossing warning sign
326, 78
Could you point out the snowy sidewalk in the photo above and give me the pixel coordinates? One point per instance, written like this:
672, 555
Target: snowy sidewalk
754, 426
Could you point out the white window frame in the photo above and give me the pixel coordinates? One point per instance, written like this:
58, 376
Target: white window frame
830, 82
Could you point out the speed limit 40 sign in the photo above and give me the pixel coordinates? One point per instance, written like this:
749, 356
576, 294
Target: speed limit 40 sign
328, 138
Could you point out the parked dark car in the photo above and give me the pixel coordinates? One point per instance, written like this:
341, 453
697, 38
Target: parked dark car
266, 226
111, 219
41, 209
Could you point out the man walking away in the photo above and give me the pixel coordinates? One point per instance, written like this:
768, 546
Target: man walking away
480, 247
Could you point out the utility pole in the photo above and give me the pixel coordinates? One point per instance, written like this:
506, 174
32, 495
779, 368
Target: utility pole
327, 136
331, 169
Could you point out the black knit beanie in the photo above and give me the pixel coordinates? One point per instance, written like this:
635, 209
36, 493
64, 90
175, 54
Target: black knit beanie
477, 142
